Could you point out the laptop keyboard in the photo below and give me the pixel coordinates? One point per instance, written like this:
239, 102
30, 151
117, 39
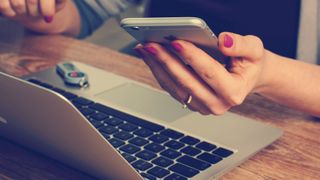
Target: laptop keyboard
153, 150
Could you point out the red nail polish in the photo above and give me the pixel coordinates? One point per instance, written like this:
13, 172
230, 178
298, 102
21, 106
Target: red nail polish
48, 19
228, 41
151, 50
177, 46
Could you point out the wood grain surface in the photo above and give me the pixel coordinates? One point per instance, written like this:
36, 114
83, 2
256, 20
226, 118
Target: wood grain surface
296, 155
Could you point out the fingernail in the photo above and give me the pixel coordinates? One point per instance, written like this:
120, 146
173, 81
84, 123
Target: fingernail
228, 41
151, 50
139, 52
48, 19
177, 46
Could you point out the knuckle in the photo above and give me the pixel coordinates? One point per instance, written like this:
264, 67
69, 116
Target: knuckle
235, 100
257, 44
218, 111
207, 74
256, 40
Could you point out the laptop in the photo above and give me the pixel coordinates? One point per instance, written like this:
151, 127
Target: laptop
117, 128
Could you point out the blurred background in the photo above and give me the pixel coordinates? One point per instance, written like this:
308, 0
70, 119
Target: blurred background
110, 34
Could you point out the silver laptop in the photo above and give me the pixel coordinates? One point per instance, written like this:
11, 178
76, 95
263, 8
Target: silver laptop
121, 129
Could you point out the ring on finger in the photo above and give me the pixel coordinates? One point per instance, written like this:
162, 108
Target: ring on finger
187, 102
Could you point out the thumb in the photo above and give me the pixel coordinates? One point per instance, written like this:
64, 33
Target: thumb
235, 45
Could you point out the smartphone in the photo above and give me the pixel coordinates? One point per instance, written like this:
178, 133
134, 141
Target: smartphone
166, 29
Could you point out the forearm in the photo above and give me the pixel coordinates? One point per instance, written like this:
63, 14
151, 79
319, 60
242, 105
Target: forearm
292, 83
67, 22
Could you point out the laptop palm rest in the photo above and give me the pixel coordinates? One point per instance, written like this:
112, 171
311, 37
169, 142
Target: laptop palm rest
145, 100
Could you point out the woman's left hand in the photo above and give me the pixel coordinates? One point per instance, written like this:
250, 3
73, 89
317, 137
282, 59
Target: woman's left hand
214, 88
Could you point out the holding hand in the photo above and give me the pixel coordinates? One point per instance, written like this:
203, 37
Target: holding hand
31, 8
213, 88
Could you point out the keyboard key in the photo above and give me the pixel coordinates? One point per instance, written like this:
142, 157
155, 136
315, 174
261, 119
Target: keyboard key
97, 124
108, 129
146, 155
99, 116
116, 142
78, 106
210, 158
171, 154
143, 132
60, 91
86, 111
172, 133
162, 161
138, 141
82, 101
158, 138
175, 176
128, 157
189, 140
154, 147
123, 135
141, 165
113, 121
134, 120
106, 136
206, 146
69, 95
128, 127
190, 151
46, 85
34, 81
129, 148
148, 176
194, 163
158, 172
174, 144
184, 170
222, 152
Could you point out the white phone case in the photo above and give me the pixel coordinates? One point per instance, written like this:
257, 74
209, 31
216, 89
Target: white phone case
166, 29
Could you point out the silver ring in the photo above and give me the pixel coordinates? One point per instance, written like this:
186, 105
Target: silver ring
187, 102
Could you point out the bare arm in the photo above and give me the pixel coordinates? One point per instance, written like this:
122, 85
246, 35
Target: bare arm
292, 83
252, 69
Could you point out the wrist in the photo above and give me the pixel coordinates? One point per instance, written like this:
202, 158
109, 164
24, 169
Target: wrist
267, 77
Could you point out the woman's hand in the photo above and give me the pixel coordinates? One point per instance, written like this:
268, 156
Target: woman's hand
31, 9
214, 88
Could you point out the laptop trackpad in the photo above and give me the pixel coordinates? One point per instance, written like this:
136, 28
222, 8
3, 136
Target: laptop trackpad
146, 101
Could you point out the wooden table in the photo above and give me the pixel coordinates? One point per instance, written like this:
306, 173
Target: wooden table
296, 155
